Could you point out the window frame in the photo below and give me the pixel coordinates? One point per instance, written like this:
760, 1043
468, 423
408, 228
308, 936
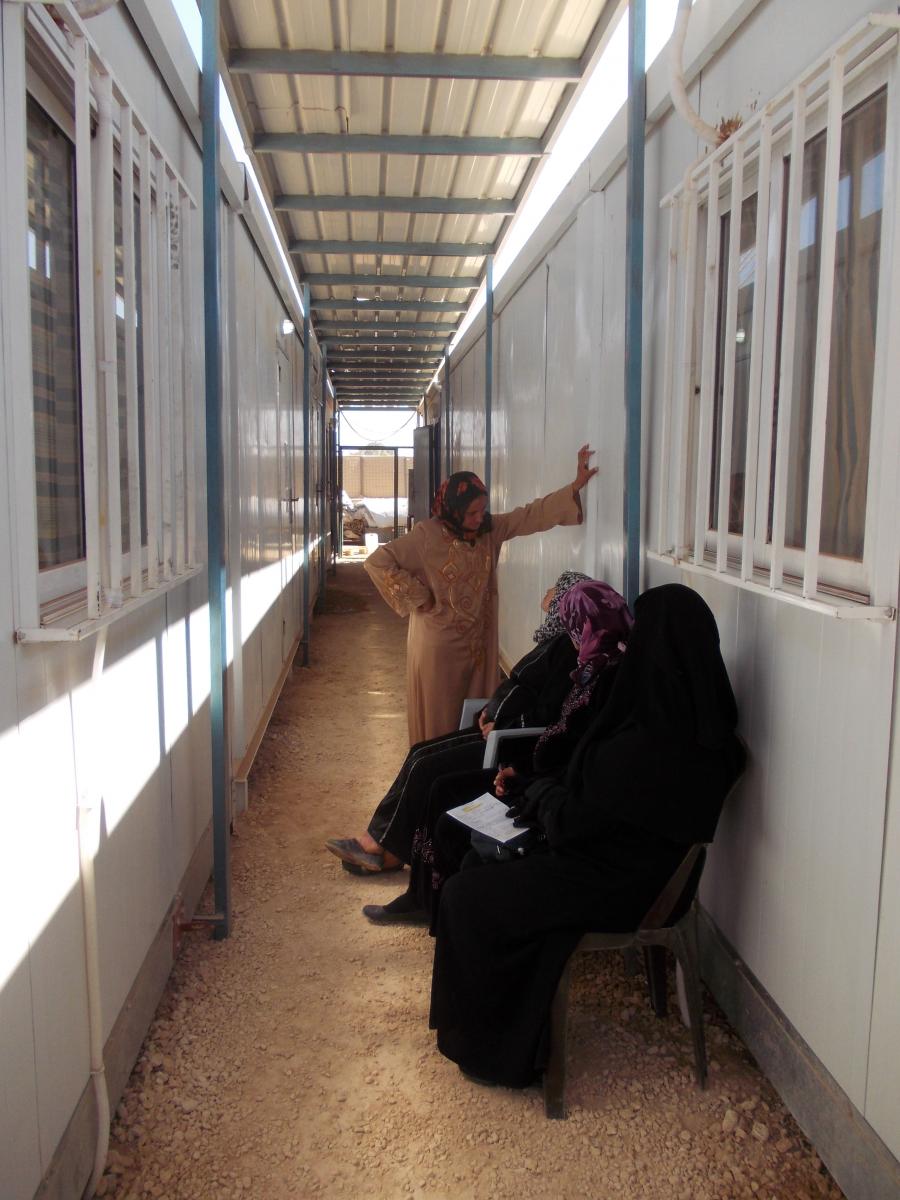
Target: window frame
685, 490
55, 601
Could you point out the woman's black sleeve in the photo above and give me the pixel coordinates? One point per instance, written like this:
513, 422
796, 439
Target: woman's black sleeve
542, 681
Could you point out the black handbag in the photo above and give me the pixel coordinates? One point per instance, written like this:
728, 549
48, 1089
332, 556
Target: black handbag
489, 849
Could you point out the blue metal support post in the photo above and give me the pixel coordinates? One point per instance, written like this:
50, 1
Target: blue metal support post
445, 424
324, 499
396, 492
488, 366
634, 292
306, 478
215, 495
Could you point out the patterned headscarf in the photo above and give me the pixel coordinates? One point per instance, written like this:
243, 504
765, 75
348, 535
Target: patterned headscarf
552, 626
452, 499
599, 622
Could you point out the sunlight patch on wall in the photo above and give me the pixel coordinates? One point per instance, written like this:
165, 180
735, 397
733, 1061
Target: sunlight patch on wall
189, 16
39, 821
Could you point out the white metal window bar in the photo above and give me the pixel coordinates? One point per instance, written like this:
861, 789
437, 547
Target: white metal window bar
750, 156
164, 318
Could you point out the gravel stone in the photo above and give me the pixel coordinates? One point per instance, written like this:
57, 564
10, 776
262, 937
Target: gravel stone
293, 1061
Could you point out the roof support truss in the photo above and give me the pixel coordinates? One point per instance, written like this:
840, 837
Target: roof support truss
325, 279
389, 343
458, 205
348, 328
388, 305
396, 143
425, 249
411, 66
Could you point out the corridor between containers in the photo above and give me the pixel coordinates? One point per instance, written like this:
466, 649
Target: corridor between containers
294, 1059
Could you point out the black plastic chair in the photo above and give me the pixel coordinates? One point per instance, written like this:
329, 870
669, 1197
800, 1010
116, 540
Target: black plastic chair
670, 923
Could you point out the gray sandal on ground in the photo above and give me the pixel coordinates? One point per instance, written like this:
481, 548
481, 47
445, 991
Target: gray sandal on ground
351, 852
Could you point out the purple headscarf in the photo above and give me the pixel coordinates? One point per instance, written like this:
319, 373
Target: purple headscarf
599, 622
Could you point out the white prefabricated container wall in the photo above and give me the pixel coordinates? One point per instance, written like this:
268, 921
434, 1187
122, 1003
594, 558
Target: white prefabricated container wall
803, 884
803, 881
123, 737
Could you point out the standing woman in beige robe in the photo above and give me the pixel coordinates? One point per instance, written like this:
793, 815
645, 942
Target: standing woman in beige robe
443, 574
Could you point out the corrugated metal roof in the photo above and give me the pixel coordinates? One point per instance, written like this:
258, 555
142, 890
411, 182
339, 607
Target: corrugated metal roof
491, 70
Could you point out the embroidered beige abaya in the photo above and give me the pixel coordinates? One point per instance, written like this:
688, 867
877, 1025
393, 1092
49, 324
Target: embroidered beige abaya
452, 649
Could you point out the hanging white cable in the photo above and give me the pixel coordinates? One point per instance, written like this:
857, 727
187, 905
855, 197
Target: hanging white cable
89, 821
676, 84
379, 441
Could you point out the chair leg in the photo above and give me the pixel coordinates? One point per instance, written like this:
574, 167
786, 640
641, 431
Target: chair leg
681, 993
685, 946
632, 960
555, 1071
655, 963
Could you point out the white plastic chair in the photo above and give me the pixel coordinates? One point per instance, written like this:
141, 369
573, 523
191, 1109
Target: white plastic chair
496, 736
470, 710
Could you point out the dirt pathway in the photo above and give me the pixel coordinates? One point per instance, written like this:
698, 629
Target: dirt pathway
294, 1059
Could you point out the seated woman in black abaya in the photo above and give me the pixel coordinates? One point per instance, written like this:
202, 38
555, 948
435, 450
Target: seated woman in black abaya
647, 780
597, 621
532, 695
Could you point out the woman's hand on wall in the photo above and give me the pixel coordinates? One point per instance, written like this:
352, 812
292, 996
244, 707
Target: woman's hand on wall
585, 471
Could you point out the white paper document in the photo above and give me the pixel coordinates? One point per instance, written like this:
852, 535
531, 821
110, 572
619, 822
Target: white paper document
487, 815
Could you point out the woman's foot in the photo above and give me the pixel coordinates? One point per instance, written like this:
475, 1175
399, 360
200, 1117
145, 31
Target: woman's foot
403, 910
353, 869
363, 852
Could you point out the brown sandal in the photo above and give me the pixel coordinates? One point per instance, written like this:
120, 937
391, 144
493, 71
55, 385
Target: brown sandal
352, 855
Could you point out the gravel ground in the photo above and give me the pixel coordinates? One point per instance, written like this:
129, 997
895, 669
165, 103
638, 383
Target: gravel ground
294, 1059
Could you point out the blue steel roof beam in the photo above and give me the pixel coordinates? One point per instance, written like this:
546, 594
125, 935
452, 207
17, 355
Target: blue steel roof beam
398, 355
401, 353
457, 205
397, 143
415, 341
413, 353
393, 370
348, 359
367, 328
379, 370
404, 65
388, 305
324, 279
423, 249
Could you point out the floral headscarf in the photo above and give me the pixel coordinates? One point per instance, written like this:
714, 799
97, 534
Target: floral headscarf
552, 626
452, 499
599, 621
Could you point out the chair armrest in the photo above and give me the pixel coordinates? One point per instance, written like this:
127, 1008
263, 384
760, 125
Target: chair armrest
470, 710
496, 736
